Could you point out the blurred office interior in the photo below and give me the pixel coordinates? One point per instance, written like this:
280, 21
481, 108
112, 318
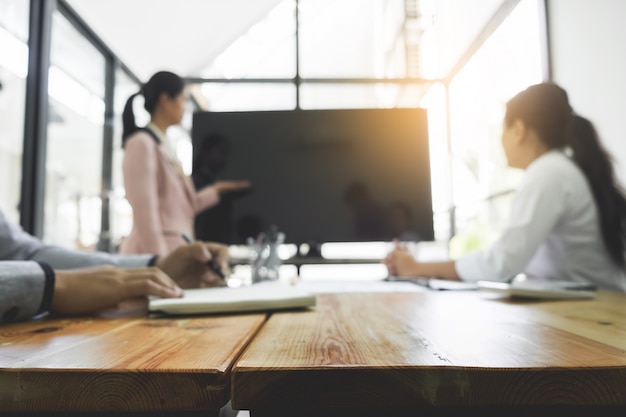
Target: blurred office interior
62, 97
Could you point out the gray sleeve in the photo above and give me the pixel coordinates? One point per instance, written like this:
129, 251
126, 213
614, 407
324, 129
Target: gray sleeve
22, 279
21, 290
60, 258
16, 244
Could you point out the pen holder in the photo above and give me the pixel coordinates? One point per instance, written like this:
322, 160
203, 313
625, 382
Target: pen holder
265, 262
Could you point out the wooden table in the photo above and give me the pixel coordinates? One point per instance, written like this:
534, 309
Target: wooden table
436, 353
122, 365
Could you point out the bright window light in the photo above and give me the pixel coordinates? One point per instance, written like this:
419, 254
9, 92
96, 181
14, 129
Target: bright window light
287, 251
355, 250
184, 152
242, 275
253, 52
14, 55
96, 110
68, 91
352, 272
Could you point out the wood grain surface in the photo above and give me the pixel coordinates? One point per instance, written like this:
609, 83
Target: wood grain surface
442, 348
121, 365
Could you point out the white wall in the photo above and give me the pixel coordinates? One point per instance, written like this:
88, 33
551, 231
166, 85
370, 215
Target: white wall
589, 61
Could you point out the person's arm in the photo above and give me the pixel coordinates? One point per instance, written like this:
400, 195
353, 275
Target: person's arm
209, 196
189, 265
17, 245
62, 258
37, 278
140, 182
84, 291
30, 288
538, 205
22, 287
536, 209
400, 262
27, 270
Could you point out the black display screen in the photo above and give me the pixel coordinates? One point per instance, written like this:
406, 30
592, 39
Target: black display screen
318, 175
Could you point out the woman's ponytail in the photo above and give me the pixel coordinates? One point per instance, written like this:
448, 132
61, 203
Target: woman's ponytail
597, 165
128, 119
163, 82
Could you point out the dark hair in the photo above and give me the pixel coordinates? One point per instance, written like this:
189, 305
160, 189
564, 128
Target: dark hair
161, 82
545, 108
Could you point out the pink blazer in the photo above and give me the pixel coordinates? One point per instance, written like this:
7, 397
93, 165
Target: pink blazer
164, 201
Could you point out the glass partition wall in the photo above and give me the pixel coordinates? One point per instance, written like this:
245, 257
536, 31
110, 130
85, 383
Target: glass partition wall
508, 61
74, 142
13, 69
461, 61
72, 78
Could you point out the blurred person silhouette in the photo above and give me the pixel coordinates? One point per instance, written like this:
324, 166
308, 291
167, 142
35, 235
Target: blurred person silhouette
216, 222
369, 216
162, 196
399, 222
249, 226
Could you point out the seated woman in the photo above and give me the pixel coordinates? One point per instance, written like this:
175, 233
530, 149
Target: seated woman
567, 217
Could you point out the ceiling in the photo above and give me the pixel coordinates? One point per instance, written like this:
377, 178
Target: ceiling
182, 36
185, 36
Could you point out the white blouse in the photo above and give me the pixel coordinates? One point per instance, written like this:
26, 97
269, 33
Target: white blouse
553, 232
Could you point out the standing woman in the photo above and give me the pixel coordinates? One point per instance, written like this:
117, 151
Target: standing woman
162, 196
568, 217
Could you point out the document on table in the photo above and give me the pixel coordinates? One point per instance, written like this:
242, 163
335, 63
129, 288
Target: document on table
264, 296
540, 289
336, 286
436, 284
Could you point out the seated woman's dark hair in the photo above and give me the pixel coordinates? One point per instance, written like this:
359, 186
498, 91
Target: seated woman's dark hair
545, 108
161, 82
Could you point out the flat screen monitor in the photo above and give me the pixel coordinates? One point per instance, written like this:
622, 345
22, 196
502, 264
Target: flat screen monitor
318, 175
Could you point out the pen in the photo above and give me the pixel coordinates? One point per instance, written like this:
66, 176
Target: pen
213, 266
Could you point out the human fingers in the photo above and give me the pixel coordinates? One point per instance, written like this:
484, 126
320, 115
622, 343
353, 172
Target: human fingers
389, 258
151, 281
390, 263
211, 263
237, 185
211, 279
219, 253
93, 289
215, 256
242, 184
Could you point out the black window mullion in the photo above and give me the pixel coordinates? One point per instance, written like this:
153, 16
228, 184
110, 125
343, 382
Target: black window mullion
104, 243
36, 117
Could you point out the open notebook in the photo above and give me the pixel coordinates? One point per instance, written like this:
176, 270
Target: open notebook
264, 296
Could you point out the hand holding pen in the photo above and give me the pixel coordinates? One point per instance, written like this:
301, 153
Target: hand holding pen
187, 264
211, 263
